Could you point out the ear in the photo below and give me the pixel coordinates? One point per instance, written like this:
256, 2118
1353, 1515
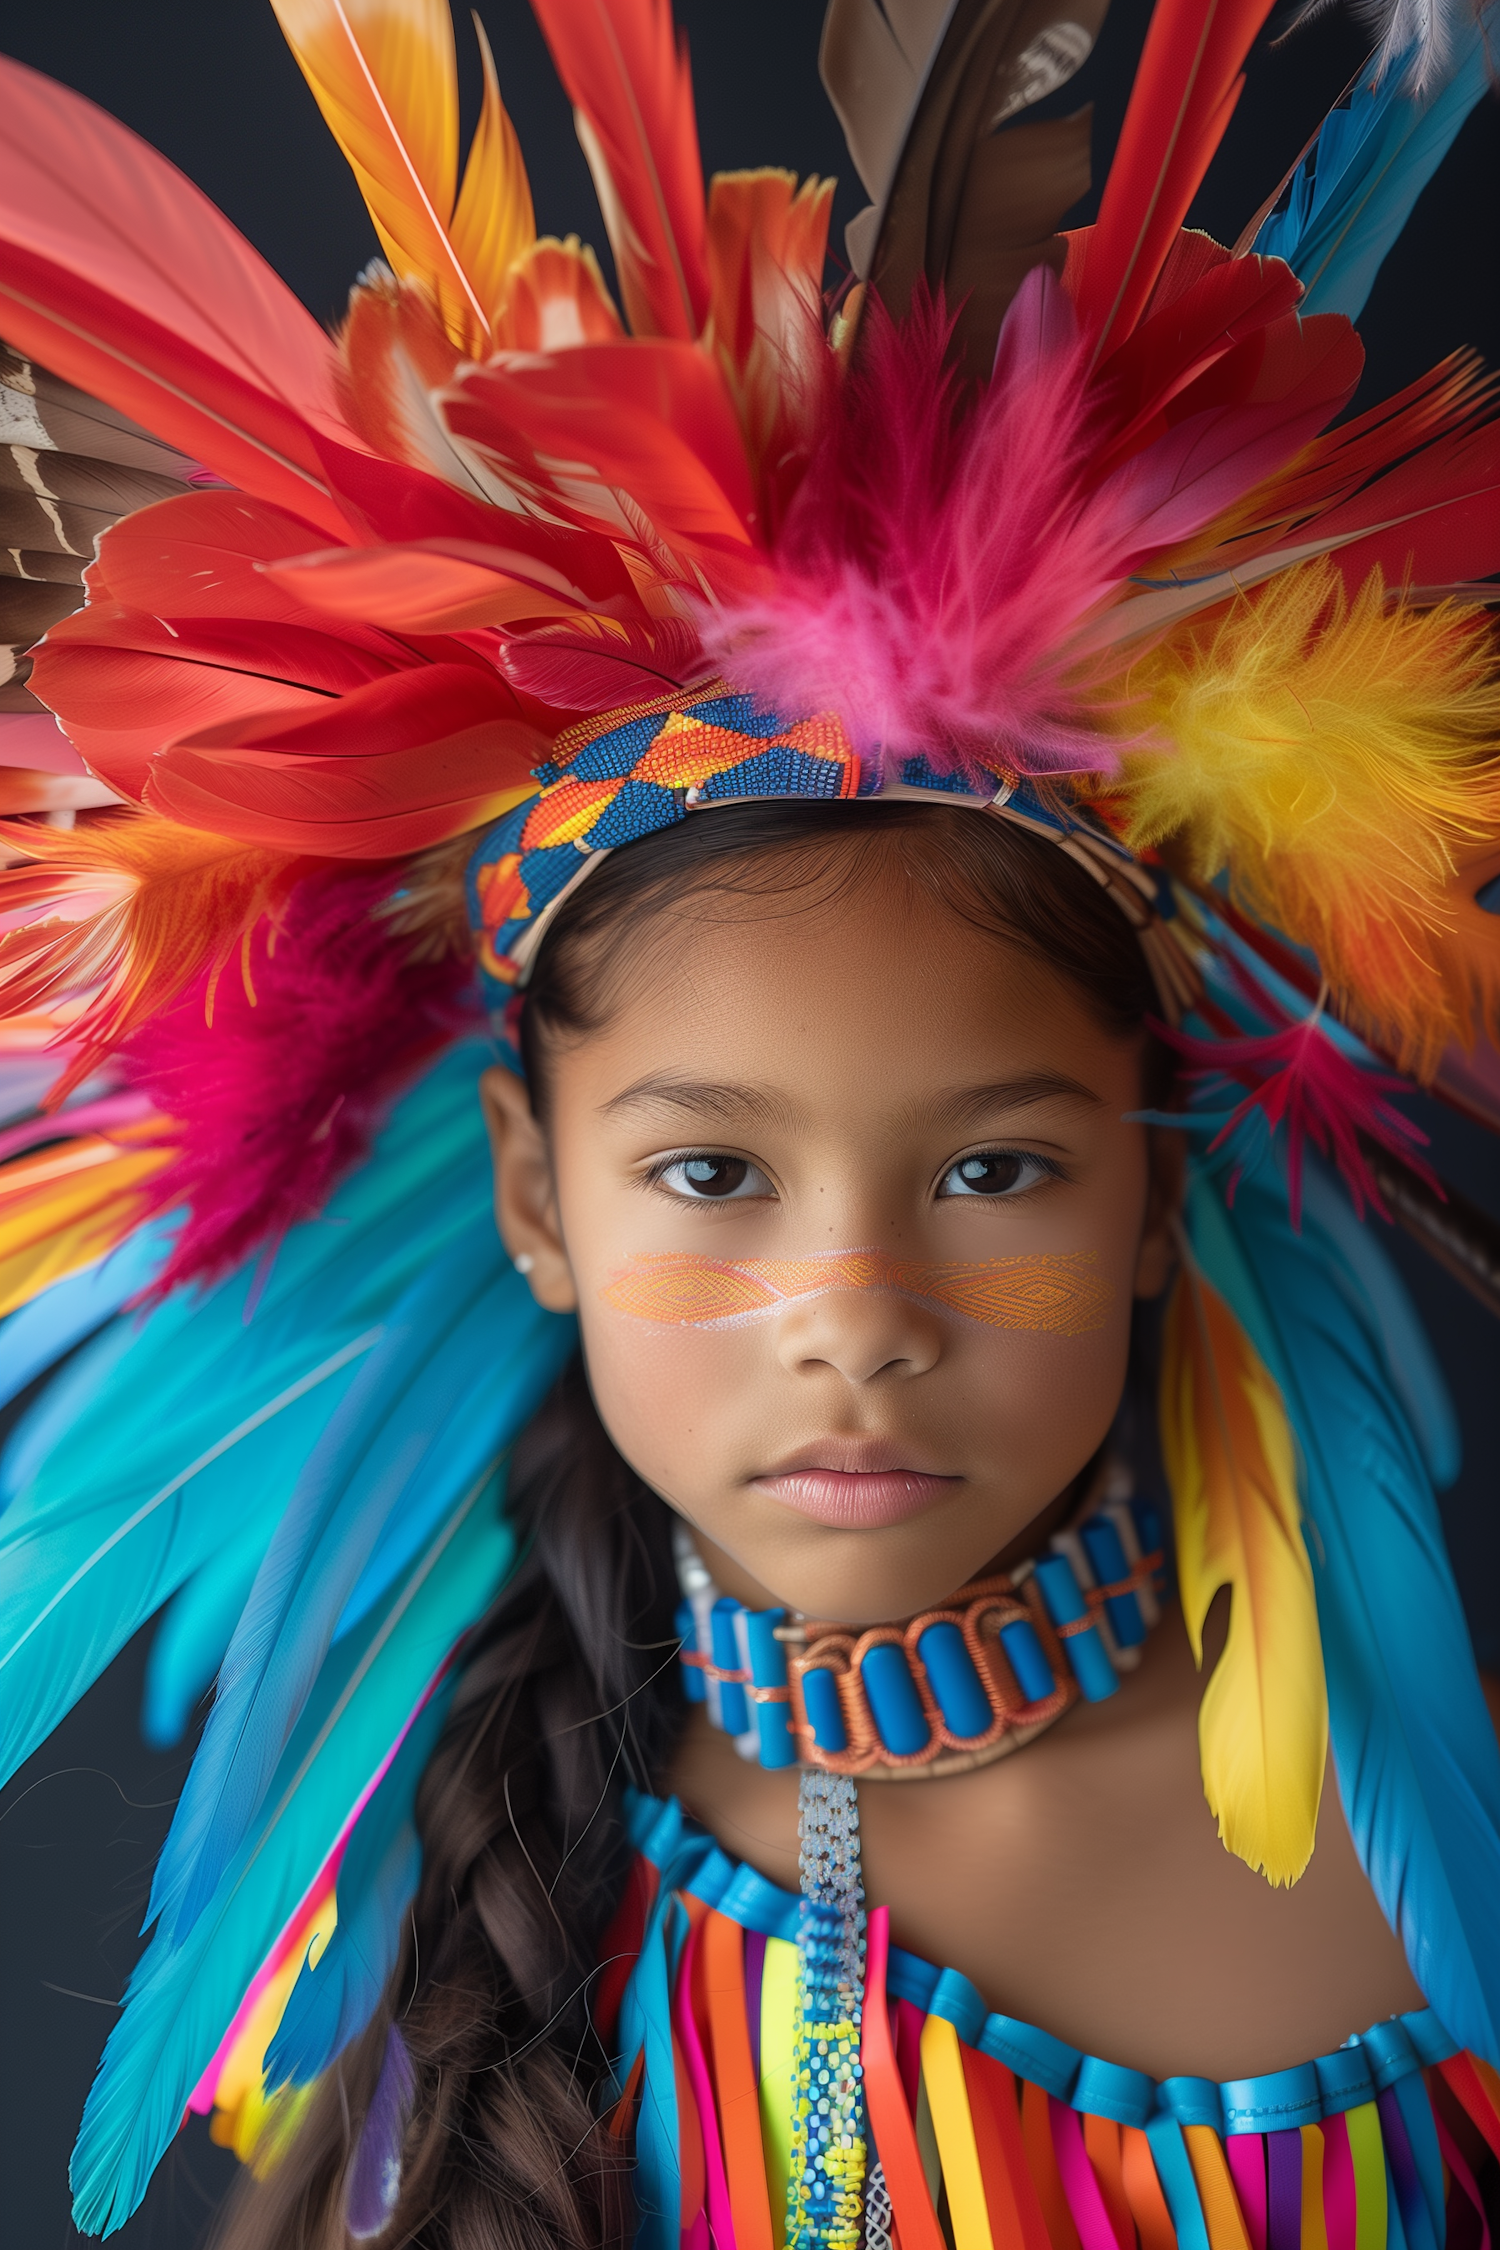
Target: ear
1156, 1258
525, 1199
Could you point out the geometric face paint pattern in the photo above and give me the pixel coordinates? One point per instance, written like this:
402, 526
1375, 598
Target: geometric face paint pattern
1052, 1294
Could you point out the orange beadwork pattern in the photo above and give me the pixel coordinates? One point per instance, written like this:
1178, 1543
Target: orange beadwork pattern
1055, 1294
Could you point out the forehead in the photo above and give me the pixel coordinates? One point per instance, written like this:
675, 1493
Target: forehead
870, 994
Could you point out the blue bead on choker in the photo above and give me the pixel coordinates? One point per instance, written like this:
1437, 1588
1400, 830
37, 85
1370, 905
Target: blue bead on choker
974, 1677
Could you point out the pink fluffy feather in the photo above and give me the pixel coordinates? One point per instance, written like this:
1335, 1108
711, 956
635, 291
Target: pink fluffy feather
273, 1103
943, 549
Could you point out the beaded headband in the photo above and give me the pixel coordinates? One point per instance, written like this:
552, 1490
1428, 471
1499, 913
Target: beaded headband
632, 772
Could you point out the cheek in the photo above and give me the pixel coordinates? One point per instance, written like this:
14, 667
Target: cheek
673, 1399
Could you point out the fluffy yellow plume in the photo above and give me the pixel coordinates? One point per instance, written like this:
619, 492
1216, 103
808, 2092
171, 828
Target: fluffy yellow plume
1263, 1723
1336, 757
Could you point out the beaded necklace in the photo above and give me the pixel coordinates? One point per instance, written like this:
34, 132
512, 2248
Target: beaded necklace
941, 1692
953, 1687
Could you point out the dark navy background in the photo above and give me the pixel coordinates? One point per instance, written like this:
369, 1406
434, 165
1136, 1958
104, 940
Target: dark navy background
211, 84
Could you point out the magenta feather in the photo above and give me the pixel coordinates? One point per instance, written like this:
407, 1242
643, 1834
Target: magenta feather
945, 546
276, 1098
1297, 1077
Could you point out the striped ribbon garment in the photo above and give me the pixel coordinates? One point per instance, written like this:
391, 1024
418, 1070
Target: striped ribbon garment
994, 2135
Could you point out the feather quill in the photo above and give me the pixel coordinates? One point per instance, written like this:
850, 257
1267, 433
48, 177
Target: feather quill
1263, 1724
384, 75
624, 68
1416, 1757
1354, 191
181, 2000
1185, 90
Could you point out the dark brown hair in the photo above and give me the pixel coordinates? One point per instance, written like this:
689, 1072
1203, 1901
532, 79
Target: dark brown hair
568, 1688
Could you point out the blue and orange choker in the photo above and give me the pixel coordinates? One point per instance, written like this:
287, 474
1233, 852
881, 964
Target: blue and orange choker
949, 1689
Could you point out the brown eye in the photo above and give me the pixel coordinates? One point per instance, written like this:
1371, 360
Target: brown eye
715, 1179
995, 1172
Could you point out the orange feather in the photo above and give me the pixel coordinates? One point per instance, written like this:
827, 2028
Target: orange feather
145, 906
65, 1206
384, 75
625, 70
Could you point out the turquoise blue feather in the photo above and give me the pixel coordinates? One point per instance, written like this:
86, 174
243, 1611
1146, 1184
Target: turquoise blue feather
36, 1336
182, 2000
1416, 1757
331, 2003
120, 1480
1354, 191
197, 1625
431, 1409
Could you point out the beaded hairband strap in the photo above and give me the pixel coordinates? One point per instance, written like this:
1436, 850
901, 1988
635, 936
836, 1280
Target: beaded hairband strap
625, 774
949, 1689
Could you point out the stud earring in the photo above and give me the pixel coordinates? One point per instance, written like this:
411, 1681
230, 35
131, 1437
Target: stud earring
523, 1261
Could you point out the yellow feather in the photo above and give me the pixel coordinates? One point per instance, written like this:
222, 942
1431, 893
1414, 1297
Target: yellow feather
65, 1206
494, 222
1263, 1723
1336, 757
384, 75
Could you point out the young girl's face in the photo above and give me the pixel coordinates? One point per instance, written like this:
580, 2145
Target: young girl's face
848, 1206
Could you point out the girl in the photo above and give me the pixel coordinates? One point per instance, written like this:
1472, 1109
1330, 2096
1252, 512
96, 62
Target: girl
708, 1738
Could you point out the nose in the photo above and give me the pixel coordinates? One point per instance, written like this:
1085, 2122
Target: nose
862, 1334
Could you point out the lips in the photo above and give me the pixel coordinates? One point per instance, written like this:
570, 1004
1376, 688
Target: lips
855, 1484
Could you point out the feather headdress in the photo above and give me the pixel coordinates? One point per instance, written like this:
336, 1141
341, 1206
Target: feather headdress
385, 634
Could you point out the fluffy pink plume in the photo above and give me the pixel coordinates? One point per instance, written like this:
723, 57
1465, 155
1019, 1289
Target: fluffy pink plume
943, 549
274, 1103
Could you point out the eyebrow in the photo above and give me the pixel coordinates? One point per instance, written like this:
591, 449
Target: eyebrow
727, 1100
700, 1097
967, 1104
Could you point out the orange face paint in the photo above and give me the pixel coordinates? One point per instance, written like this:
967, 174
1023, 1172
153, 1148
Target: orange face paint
1059, 1294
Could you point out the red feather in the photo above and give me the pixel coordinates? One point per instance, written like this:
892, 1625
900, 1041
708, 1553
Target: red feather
184, 630
596, 665
120, 276
1184, 93
396, 765
625, 69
